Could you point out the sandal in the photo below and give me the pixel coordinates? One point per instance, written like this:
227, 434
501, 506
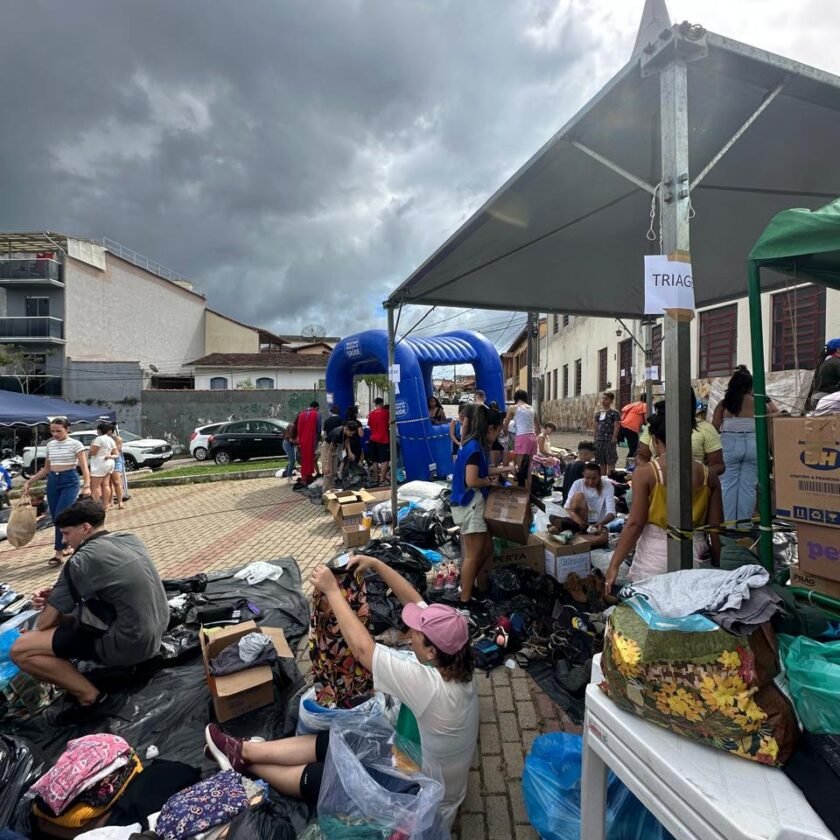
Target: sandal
55, 562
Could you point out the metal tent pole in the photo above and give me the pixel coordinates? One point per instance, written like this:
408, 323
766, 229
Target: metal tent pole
392, 415
762, 439
648, 364
529, 355
675, 206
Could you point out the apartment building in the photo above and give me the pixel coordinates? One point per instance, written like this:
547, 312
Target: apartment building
585, 356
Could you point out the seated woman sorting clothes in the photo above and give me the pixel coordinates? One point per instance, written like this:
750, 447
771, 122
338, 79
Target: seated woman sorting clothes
591, 507
435, 683
645, 528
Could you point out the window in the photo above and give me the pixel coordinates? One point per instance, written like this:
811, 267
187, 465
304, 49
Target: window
656, 355
555, 324
798, 327
37, 307
578, 377
556, 392
565, 380
718, 341
602, 369
218, 383
565, 320
265, 383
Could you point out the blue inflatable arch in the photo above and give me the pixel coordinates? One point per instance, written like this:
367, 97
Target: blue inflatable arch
426, 448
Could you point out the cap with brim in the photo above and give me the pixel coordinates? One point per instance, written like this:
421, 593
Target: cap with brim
443, 626
833, 345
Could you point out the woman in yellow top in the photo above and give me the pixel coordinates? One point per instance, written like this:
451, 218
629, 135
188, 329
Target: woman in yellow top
645, 529
706, 446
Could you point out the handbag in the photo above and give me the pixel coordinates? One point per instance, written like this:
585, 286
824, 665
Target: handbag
22, 521
94, 615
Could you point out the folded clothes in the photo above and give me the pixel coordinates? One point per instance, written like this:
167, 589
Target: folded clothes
253, 649
763, 605
689, 591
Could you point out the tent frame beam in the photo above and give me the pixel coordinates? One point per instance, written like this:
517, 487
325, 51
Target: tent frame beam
614, 167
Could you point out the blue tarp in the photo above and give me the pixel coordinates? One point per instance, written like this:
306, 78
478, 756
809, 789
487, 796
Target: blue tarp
28, 410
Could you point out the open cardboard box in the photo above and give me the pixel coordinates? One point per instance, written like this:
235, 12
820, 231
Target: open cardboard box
563, 559
244, 691
530, 555
508, 513
819, 551
355, 535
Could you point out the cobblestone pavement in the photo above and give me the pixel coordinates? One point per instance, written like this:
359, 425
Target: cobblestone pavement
203, 527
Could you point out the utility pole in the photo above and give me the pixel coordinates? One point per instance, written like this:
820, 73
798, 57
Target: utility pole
537, 395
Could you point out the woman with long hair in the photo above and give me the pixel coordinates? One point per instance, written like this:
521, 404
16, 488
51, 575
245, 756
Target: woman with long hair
471, 481
523, 415
64, 454
646, 527
118, 474
436, 413
734, 418
102, 459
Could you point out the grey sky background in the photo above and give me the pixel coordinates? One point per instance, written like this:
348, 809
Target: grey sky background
298, 160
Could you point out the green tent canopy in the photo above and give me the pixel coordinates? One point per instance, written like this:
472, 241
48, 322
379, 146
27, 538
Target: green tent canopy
805, 245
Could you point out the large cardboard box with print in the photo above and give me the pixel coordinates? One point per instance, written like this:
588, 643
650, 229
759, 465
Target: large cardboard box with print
819, 551
806, 469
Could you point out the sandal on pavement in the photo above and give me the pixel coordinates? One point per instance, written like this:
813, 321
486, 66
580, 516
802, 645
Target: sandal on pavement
55, 562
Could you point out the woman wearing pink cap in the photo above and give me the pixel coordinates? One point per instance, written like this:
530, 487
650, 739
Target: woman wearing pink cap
435, 682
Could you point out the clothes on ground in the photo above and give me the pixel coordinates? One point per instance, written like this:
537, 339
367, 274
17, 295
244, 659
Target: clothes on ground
472, 452
253, 650
203, 806
698, 590
340, 680
599, 504
378, 421
258, 571
63, 453
633, 416
109, 832
115, 573
447, 714
651, 556
85, 761
815, 769
829, 404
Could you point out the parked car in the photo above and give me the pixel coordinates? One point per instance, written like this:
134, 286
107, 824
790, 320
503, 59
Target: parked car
244, 439
137, 451
199, 440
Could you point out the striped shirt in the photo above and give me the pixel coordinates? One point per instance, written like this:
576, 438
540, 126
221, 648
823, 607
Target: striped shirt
62, 453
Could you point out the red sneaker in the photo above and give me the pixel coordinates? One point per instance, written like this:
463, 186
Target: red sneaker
226, 750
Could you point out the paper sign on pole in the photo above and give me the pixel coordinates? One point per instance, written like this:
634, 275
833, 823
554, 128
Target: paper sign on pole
394, 373
668, 285
652, 372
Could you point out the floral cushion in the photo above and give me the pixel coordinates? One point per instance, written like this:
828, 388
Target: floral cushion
712, 686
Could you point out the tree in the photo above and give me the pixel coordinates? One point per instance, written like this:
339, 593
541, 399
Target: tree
24, 366
245, 385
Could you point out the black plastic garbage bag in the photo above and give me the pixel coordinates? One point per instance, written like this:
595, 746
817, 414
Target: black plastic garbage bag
20, 767
267, 821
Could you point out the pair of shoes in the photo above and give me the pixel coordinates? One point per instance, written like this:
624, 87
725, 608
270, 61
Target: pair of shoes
105, 705
225, 749
451, 584
439, 582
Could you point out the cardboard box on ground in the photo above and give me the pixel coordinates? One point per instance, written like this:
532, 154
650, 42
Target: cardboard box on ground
806, 466
347, 507
236, 694
823, 586
506, 553
819, 551
508, 513
561, 559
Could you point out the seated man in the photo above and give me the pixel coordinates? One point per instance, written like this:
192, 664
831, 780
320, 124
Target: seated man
108, 605
590, 508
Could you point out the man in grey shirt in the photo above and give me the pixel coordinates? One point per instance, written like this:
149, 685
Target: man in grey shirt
108, 605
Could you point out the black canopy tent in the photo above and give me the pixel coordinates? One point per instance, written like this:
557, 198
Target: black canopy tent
711, 136
30, 410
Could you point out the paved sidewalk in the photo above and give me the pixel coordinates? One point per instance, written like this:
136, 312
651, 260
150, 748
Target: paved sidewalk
199, 528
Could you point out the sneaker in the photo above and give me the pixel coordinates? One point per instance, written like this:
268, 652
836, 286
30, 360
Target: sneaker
451, 584
226, 750
439, 582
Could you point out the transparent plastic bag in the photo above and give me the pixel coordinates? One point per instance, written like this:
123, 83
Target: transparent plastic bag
813, 672
365, 796
551, 787
313, 717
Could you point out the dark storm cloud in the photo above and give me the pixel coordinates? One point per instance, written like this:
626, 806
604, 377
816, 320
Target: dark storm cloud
297, 160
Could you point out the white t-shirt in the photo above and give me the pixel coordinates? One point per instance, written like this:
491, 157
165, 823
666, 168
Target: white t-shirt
599, 504
447, 717
62, 453
100, 464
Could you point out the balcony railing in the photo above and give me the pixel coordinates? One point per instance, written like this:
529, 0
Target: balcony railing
43, 328
31, 271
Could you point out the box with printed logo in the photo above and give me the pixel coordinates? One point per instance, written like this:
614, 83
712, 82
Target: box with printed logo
563, 559
814, 583
806, 456
819, 551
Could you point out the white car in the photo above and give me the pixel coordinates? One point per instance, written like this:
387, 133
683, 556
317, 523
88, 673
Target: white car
137, 451
198, 440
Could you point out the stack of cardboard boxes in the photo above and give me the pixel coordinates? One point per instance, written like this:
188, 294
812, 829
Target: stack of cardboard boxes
806, 454
348, 508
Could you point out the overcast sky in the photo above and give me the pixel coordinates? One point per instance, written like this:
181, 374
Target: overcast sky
299, 159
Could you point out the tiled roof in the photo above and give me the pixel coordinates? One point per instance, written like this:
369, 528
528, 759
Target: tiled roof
261, 360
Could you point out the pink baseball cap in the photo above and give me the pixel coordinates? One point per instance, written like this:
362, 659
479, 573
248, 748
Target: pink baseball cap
443, 626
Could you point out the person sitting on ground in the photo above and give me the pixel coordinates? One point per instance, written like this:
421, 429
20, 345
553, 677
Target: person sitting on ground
607, 425
380, 440
645, 528
436, 413
706, 446
108, 606
435, 683
545, 455
523, 414
590, 508
574, 470
827, 373
633, 417
471, 480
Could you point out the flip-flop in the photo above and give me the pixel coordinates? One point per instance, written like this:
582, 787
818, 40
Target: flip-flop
55, 562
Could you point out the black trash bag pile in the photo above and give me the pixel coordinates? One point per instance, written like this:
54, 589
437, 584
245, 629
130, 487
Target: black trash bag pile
385, 607
20, 767
270, 820
422, 528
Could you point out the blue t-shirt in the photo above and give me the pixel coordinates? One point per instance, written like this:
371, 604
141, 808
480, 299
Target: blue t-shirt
461, 494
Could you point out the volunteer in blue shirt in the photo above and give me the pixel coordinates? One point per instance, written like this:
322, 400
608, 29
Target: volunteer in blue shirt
471, 480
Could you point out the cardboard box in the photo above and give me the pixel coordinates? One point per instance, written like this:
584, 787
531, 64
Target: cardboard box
334, 495
236, 694
379, 494
508, 513
341, 509
561, 559
819, 551
814, 583
806, 454
355, 535
530, 555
